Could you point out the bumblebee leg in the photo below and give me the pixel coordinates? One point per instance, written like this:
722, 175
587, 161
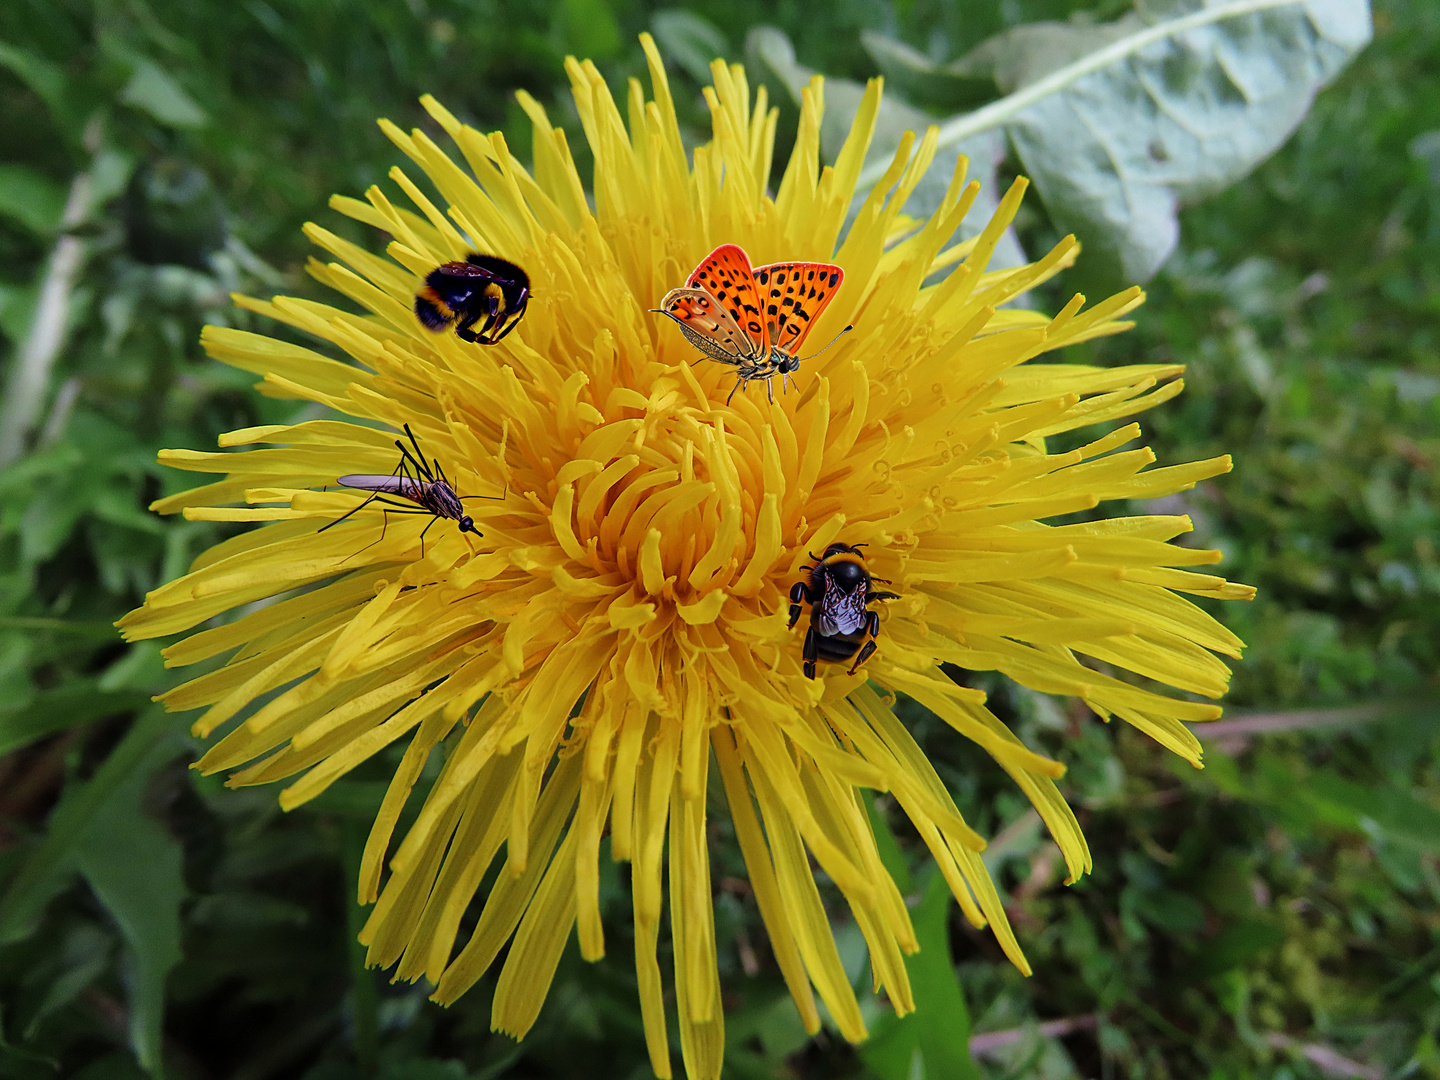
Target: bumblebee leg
492, 320
514, 318
812, 652
462, 328
872, 627
799, 594
863, 655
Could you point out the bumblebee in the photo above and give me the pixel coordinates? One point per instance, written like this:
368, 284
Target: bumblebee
461, 294
839, 593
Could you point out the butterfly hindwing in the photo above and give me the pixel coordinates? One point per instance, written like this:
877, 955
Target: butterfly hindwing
792, 296
725, 274
707, 325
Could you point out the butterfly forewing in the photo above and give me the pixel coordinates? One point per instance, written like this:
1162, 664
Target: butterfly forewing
793, 295
725, 274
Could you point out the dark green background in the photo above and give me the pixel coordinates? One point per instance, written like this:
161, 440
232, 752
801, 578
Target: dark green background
1271, 915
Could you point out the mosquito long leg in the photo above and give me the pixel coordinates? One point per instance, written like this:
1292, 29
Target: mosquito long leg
352, 513
422, 535
420, 455
421, 469
367, 502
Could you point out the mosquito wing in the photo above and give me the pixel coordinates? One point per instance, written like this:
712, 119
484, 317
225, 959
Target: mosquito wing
385, 484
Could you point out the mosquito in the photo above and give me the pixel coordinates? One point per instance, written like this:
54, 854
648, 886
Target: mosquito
425, 488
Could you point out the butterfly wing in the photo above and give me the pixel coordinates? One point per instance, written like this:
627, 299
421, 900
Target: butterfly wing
793, 296
707, 325
725, 274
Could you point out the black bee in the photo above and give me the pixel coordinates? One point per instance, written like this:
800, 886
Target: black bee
461, 294
426, 489
839, 592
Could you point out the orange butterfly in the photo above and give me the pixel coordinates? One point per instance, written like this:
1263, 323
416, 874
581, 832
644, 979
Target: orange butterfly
753, 320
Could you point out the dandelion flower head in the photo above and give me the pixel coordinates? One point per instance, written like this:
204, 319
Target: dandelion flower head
614, 646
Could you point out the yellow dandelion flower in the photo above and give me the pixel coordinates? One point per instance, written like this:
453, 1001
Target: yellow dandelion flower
615, 643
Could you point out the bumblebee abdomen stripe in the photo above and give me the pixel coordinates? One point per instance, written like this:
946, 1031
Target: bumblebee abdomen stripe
432, 311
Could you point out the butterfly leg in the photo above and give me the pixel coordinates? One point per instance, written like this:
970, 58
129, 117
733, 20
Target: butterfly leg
812, 652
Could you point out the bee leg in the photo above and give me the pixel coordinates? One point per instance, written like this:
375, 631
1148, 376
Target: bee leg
800, 594
492, 320
811, 653
862, 656
872, 628
462, 327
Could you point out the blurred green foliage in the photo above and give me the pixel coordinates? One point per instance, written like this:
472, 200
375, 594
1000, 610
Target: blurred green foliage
1272, 916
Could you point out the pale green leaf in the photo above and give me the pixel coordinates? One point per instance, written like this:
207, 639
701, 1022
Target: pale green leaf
152, 90
919, 79
771, 57
134, 865
689, 40
30, 199
1116, 153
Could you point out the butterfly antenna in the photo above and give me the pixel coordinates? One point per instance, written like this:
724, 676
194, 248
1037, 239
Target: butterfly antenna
832, 341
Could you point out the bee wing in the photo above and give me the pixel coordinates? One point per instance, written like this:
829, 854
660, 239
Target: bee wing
707, 325
387, 484
841, 612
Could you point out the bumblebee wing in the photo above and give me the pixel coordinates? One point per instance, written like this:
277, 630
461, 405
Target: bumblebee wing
706, 324
841, 612
794, 295
725, 274
496, 268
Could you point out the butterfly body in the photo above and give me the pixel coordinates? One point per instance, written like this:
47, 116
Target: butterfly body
752, 319
482, 289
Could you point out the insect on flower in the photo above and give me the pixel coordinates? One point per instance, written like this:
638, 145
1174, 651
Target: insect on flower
754, 320
461, 294
425, 487
839, 592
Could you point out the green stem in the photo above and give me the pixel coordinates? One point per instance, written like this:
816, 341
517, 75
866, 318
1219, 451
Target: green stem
362, 979
998, 112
